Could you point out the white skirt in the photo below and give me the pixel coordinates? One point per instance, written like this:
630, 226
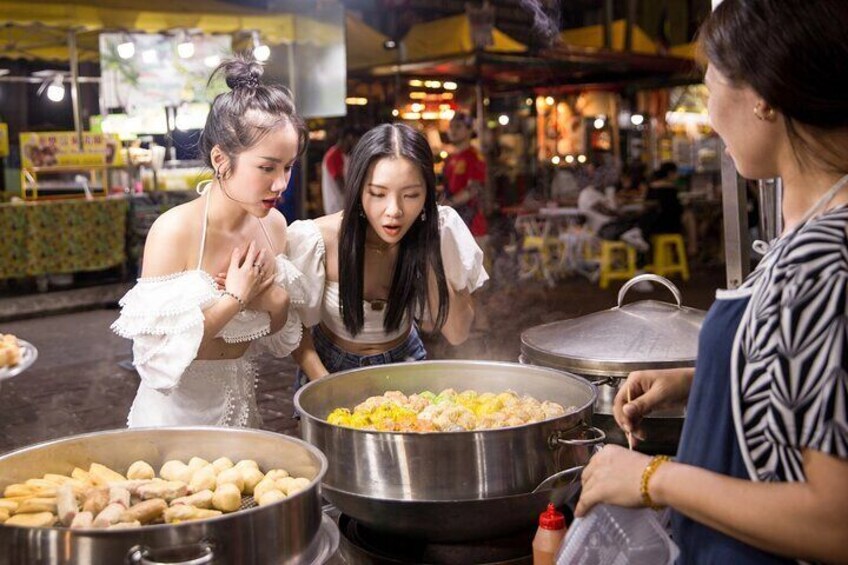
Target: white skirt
210, 393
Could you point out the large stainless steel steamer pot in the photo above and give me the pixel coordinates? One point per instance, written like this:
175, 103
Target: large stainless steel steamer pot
448, 486
606, 346
281, 533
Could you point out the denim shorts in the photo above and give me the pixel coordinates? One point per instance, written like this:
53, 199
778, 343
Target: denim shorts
336, 359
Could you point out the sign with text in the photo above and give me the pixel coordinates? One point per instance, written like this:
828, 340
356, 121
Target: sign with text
61, 149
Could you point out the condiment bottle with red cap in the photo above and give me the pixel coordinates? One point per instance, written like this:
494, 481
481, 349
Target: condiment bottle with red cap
549, 536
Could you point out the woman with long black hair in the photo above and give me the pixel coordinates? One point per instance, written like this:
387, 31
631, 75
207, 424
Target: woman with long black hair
392, 261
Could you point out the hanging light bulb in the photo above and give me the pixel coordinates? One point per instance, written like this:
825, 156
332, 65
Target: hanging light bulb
149, 56
126, 49
56, 90
261, 52
185, 48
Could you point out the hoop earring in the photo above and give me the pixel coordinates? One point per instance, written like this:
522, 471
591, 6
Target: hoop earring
423, 215
218, 174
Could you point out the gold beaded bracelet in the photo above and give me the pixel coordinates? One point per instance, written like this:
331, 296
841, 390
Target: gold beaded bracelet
649, 471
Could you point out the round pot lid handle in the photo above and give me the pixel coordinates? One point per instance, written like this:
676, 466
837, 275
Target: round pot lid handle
650, 277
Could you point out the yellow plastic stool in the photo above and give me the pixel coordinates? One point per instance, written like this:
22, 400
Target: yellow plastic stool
669, 255
609, 270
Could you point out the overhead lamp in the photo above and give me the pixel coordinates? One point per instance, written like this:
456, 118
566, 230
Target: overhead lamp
599, 122
416, 83
260, 51
56, 89
549, 100
555, 159
449, 85
417, 95
569, 159
149, 56
395, 112
416, 107
185, 47
356, 101
389, 44
637, 119
529, 101
126, 49
503, 119
581, 159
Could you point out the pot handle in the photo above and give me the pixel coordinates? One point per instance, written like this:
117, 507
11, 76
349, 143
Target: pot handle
548, 483
557, 438
199, 554
651, 278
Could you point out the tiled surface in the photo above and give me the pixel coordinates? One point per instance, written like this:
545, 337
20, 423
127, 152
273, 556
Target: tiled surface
77, 386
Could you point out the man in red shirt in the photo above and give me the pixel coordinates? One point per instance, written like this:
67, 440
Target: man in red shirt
465, 175
333, 170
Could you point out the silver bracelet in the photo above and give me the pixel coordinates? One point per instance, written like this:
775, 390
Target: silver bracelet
241, 303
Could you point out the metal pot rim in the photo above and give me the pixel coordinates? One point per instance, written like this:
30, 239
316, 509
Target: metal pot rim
343, 374
438, 501
93, 532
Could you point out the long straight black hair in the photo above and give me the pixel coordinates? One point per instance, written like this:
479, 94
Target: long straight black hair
420, 247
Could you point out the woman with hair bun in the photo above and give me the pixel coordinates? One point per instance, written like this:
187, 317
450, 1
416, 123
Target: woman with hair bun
761, 474
391, 261
216, 288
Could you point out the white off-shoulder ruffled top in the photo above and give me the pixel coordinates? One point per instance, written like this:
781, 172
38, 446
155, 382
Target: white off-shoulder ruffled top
461, 256
163, 316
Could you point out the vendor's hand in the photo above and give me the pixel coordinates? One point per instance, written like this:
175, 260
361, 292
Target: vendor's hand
613, 476
649, 391
245, 273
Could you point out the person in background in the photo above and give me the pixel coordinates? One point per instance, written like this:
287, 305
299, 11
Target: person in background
464, 177
334, 168
564, 187
761, 474
391, 262
605, 221
632, 186
216, 289
662, 199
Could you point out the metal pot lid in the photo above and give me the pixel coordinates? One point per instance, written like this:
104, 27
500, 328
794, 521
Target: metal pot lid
648, 334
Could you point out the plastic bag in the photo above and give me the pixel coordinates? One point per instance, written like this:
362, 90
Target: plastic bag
613, 535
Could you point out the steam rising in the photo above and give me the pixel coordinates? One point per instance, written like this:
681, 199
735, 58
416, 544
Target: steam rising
545, 19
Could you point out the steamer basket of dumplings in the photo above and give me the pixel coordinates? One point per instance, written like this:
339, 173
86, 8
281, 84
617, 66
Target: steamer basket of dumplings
165, 495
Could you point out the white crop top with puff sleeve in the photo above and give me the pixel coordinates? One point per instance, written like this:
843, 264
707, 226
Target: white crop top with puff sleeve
163, 316
461, 256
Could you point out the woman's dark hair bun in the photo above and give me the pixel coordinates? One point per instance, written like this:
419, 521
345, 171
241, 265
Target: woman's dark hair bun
242, 72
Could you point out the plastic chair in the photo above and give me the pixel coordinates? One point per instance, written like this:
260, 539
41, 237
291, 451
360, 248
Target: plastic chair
618, 262
669, 255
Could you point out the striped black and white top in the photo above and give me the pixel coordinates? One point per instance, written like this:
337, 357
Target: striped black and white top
790, 356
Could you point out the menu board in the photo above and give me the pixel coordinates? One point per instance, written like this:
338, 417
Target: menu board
61, 149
